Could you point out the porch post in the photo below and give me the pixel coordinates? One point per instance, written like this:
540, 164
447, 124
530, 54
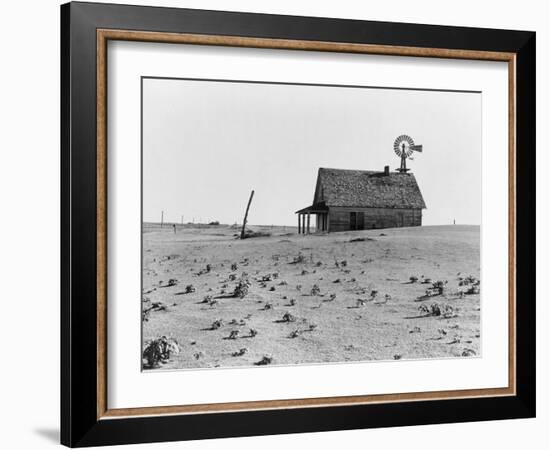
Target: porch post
308, 216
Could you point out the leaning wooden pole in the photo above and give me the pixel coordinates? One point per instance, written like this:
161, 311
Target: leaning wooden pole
246, 214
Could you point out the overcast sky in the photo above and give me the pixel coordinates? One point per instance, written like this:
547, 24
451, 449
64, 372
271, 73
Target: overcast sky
207, 144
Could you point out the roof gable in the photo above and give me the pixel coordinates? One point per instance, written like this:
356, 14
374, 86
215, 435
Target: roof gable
367, 189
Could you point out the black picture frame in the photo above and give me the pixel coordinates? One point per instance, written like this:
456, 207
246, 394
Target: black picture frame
80, 425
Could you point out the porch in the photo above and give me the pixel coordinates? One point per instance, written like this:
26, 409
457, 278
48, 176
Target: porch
322, 222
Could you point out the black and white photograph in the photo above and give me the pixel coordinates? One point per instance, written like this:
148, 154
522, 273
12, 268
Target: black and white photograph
288, 224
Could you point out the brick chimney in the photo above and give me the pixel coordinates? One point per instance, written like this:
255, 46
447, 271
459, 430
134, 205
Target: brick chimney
386, 170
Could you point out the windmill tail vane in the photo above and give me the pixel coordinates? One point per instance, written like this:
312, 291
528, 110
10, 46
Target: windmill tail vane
404, 147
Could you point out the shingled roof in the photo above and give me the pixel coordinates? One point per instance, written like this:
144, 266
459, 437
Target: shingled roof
367, 189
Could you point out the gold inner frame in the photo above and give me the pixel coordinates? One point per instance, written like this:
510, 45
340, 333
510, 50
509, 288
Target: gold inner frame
104, 35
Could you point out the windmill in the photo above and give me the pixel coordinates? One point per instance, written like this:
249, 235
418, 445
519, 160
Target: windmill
404, 147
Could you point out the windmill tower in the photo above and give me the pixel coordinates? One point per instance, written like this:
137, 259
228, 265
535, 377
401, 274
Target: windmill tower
404, 147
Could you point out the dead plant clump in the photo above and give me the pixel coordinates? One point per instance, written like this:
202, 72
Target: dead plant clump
216, 324
294, 334
437, 288
154, 307
252, 333
287, 317
189, 289
241, 290
248, 234
436, 310
472, 290
233, 334
266, 360
299, 259
241, 352
469, 280
240, 323
315, 290
158, 351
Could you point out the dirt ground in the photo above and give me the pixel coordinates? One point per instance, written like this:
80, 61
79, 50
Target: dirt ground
365, 308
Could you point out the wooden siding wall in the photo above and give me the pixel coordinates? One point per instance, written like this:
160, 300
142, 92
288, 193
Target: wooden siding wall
375, 218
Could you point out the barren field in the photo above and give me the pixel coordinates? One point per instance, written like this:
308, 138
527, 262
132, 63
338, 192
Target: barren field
352, 296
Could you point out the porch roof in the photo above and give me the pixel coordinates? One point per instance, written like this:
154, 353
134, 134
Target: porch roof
317, 208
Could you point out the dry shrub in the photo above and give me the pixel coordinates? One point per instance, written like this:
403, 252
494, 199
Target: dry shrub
158, 351
216, 324
233, 334
189, 289
472, 290
241, 290
436, 310
155, 306
264, 361
255, 234
241, 352
252, 333
294, 334
299, 259
287, 317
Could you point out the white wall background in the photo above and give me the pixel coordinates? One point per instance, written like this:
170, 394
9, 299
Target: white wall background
29, 229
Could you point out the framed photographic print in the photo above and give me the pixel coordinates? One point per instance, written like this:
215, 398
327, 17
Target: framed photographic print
276, 224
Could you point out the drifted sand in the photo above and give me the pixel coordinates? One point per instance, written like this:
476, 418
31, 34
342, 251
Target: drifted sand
343, 331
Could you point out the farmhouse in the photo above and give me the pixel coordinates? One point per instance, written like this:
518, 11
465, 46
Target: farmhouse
363, 199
